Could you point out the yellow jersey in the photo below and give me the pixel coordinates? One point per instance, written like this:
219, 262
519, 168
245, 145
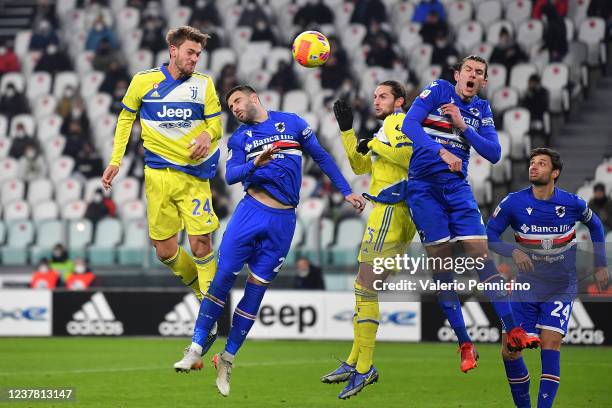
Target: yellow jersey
173, 112
387, 160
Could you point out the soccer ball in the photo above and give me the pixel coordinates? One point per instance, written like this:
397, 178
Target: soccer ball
310, 49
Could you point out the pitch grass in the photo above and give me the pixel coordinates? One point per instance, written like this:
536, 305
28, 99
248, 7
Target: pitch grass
137, 372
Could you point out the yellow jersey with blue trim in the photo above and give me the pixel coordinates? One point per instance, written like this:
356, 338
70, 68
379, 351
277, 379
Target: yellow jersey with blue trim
173, 113
387, 160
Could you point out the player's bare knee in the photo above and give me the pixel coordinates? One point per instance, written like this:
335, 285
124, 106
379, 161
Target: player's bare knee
165, 249
550, 340
252, 279
508, 355
201, 245
476, 248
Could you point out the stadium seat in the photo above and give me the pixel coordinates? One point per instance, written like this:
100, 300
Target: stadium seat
309, 185
48, 127
343, 15
135, 245
420, 57
141, 60
311, 209
98, 105
20, 235
576, 59
348, 239
16, 211
570, 29
517, 120
77, 42
28, 122
48, 234
276, 55
577, 10
117, 5
22, 43
251, 59
133, 210
63, 80
409, 37
240, 38
519, 76
74, 210
2, 233
9, 169
5, 146
45, 210
107, 236
401, 15
4, 125
312, 119
80, 233
14, 78
504, 98
487, 12
127, 189
61, 168
483, 49
328, 126
361, 183
105, 127
603, 174
592, 32
518, 11
495, 28
469, 34
586, 191
69, 190
497, 78
529, 34
221, 57
39, 190
131, 45
319, 235
12, 190
502, 170
259, 79
271, 100
429, 75
43, 106
295, 101
179, 17
459, 12
353, 33
231, 15
39, 83
83, 62
555, 78
128, 19
479, 175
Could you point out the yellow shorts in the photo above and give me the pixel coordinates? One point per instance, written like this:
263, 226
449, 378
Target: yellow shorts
389, 231
177, 200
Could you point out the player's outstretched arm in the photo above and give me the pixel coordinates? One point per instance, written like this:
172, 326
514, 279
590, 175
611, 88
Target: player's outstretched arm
122, 135
344, 116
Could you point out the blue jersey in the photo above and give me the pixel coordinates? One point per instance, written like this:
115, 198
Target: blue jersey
430, 131
282, 177
545, 230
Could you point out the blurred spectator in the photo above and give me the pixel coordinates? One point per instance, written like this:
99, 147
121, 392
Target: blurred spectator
308, 276
44, 277
68, 100
137, 165
283, 79
262, 31
203, 11
81, 278
335, 70
32, 164
602, 205
13, 102
43, 36
433, 27
96, 209
507, 52
115, 73
9, 62
20, 140
153, 10
152, 35
76, 113
60, 261
45, 10
313, 13
220, 199
536, 102
445, 55
227, 79
375, 29
118, 94
425, 7
555, 34
54, 60
381, 54
105, 56
593, 290
251, 14
367, 10
560, 5
76, 130
600, 8
88, 162
98, 33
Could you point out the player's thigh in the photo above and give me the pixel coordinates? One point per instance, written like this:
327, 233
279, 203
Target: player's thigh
194, 200
162, 213
427, 212
555, 315
273, 244
526, 315
465, 220
239, 239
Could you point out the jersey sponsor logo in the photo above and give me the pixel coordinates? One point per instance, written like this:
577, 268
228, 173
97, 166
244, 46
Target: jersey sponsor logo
280, 127
155, 94
179, 113
548, 228
497, 210
306, 132
249, 133
478, 325
474, 111
487, 122
95, 318
34, 313
180, 321
425, 93
529, 210
172, 125
547, 243
560, 210
581, 329
194, 92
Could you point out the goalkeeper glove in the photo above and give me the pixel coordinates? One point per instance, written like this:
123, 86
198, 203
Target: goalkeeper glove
344, 115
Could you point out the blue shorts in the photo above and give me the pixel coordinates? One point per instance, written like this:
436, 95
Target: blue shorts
445, 211
535, 316
259, 236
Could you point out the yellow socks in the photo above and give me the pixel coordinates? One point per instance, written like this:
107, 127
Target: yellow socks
207, 267
352, 358
368, 316
185, 268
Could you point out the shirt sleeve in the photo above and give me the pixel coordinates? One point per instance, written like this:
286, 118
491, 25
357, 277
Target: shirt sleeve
133, 97
499, 221
237, 168
399, 149
485, 141
421, 107
361, 164
122, 136
212, 112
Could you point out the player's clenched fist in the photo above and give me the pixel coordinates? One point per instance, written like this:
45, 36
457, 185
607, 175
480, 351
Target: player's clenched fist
344, 115
108, 176
357, 201
454, 163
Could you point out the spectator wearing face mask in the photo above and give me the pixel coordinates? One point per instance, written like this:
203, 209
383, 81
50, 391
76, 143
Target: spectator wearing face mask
88, 162
432, 28
507, 52
9, 62
98, 33
381, 54
116, 72
82, 278
445, 55
308, 276
263, 32
60, 261
32, 164
20, 140
13, 102
44, 277
313, 13
96, 209
118, 93
536, 102
53, 60
602, 205
283, 79
105, 56
43, 36
68, 99
152, 35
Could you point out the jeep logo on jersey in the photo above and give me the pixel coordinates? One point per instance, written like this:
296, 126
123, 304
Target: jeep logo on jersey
280, 127
178, 113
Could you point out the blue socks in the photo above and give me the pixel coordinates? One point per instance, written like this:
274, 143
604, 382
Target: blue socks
499, 299
449, 302
244, 316
518, 378
549, 380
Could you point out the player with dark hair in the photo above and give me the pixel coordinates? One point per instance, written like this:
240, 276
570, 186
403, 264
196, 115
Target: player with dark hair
180, 116
389, 229
265, 155
543, 218
444, 122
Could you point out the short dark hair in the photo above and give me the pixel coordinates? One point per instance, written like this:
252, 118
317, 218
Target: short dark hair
599, 187
178, 36
397, 90
555, 158
247, 89
477, 58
